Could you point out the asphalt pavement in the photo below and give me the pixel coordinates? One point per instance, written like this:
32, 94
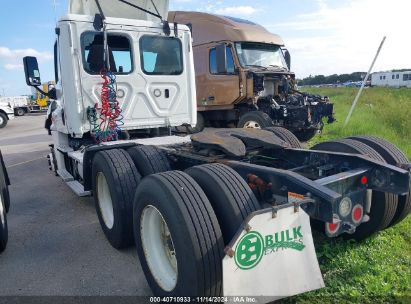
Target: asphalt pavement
56, 246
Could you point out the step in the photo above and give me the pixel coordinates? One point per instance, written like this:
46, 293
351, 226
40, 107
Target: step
65, 175
78, 188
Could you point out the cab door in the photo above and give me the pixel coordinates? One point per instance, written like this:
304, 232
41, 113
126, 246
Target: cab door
223, 89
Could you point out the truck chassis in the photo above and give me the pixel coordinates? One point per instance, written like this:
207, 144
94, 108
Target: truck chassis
217, 178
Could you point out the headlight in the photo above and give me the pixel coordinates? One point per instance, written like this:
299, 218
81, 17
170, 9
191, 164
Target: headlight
344, 208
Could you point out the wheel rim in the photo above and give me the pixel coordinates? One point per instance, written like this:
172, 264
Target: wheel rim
104, 200
159, 248
252, 125
1, 120
2, 216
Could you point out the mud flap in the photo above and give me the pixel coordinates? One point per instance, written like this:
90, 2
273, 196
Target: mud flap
273, 258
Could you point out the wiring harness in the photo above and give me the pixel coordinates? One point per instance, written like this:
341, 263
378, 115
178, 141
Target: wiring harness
106, 121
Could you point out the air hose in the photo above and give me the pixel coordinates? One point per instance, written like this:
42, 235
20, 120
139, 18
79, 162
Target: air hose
106, 121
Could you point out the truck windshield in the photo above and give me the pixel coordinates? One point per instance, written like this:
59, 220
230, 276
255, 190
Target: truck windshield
260, 55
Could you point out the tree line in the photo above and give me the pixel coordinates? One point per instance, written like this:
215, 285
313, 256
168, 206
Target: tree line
332, 79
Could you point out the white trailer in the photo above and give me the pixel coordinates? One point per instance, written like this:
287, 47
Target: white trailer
391, 79
221, 213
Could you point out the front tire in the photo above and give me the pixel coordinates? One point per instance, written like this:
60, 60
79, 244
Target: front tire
3, 120
177, 236
115, 179
255, 120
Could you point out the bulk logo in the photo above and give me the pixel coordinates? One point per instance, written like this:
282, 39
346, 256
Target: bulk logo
253, 246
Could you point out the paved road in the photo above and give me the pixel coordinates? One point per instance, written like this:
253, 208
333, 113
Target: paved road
56, 246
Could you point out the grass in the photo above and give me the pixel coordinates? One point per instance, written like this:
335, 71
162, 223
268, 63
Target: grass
377, 270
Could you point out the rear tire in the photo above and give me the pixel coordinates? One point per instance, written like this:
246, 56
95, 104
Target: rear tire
20, 112
184, 257
149, 160
383, 205
306, 135
3, 120
115, 179
3, 222
392, 156
232, 199
255, 120
287, 136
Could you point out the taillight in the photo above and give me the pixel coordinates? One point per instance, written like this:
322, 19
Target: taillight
332, 228
357, 214
344, 207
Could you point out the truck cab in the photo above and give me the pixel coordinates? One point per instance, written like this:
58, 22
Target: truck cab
243, 76
6, 113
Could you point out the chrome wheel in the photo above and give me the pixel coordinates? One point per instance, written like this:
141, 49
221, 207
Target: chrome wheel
158, 248
104, 200
252, 125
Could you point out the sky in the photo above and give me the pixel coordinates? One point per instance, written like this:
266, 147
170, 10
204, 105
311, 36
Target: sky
323, 36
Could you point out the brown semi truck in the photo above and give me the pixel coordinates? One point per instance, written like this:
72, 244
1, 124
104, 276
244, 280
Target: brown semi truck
243, 78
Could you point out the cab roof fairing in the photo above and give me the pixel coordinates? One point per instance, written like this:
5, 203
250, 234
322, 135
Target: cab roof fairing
213, 28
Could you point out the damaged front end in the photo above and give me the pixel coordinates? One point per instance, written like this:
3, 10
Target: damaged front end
302, 113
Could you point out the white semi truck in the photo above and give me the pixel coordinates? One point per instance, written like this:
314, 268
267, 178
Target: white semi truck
6, 113
219, 213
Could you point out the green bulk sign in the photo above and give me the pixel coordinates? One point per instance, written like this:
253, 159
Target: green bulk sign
253, 246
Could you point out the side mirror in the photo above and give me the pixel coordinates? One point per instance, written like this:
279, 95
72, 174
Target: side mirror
31, 69
221, 57
287, 58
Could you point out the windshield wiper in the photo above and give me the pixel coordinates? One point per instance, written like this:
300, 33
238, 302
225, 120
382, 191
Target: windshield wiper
256, 66
277, 66
143, 9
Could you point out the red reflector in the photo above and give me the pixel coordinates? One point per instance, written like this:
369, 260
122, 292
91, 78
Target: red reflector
364, 180
357, 214
332, 227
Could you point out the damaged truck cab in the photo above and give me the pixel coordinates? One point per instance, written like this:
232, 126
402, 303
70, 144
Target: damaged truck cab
243, 77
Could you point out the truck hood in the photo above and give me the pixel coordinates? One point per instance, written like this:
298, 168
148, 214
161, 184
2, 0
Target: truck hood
117, 9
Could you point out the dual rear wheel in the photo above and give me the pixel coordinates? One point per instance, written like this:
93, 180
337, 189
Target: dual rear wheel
181, 221
180, 225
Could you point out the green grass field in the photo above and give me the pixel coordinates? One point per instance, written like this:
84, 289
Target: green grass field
377, 270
